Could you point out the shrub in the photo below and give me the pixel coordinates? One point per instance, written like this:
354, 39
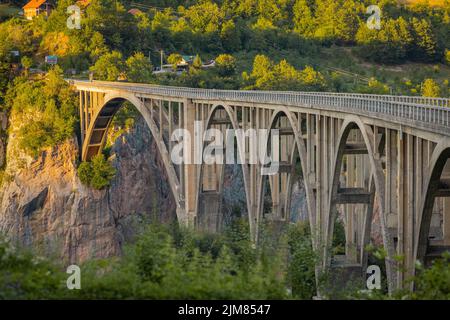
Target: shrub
24, 275
434, 283
97, 173
48, 109
164, 264
301, 269
430, 88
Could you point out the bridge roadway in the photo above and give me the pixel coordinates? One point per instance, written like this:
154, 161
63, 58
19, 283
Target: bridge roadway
377, 163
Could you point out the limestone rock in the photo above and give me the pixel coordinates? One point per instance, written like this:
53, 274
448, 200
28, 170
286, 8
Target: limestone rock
43, 203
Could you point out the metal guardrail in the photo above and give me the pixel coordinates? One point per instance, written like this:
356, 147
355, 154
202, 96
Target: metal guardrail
430, 111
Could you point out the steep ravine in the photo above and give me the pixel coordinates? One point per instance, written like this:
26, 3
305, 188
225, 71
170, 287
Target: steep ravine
44, 204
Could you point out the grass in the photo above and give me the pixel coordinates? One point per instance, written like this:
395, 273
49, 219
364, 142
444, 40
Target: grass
7, 10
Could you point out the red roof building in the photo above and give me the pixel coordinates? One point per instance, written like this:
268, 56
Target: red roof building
35, 7
134, 11
83, 3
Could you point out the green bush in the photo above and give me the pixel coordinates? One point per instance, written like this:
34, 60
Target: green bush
301, 268
434, 283
24, 275
47, 108
97, 173
161, 264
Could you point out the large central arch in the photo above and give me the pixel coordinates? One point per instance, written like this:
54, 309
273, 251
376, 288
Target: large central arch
230, 119
376, 184
96, 134
300, 148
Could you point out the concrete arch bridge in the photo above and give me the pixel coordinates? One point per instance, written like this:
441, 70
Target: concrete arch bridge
372, 161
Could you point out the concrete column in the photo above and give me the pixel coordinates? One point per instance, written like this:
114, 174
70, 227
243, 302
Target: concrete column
400, 203
190, 170
82, 117
86, 110
318, 176
446, 222
409, 228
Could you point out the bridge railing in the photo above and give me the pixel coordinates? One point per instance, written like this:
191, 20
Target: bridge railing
435, 111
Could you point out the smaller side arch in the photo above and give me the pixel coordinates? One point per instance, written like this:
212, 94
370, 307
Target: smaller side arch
437, 163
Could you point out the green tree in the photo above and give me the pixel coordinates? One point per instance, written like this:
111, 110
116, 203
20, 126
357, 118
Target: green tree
46, 110
230, 36
301, 269
430, 88
375, 87
303, 18
174, 59
262, 69
97, 173
197, 63
424, 40
226, 65
205, 16
108, 67
26, 62
390, 44
139, 69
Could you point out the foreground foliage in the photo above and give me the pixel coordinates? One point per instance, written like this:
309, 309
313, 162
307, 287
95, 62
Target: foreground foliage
166, 262
163, 263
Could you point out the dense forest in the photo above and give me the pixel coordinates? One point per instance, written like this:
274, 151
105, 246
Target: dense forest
305, 45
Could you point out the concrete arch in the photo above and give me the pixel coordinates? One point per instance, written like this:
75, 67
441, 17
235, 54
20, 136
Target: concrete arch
378, 181
114, 101
437, 163
301, 149
245, 172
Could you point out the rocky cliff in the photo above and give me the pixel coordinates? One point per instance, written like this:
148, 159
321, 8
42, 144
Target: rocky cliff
43, 203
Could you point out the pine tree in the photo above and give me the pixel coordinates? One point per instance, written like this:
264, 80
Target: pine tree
430, 88
424, 40
303, 18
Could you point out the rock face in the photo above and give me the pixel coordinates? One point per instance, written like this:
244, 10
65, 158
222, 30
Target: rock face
43, 203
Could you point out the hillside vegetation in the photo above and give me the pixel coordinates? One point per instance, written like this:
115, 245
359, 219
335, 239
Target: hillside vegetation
327, 40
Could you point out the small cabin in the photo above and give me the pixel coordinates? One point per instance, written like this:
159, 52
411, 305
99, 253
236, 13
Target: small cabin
36, 7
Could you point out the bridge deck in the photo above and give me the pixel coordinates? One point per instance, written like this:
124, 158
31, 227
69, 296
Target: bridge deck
432, 114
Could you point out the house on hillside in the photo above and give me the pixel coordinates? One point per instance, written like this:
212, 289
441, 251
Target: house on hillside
186, 60
134, 11
83, 3
36, 7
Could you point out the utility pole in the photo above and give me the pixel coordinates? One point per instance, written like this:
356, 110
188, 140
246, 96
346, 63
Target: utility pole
162, 55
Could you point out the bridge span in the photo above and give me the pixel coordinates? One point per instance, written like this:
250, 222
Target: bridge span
372, 161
